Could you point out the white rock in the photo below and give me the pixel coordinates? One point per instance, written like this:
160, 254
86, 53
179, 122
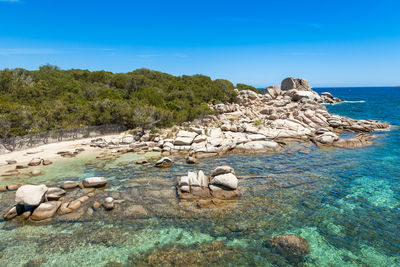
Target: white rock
228, 180
30, 195
202, 179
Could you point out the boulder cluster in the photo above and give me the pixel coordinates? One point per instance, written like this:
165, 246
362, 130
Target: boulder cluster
211, 190
39, 202
255, 123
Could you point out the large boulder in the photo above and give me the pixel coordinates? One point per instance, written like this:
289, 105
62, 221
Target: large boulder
228, 180
94, 182
31, 195
289, 245
45, 210
294, 83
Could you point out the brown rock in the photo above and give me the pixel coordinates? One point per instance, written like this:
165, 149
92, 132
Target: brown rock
289, 245
135, 210
45, 210
69, 185
47, 162
64, 208
26, 214
76, 204
96, 205
13, 186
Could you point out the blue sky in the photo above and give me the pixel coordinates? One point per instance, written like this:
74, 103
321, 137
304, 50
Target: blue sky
328, 42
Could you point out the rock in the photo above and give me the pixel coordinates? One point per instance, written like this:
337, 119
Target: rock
128, 139
46, 162
227, 180
96, 205
184, 184
76, 204
36, 172
26, 214
11, 161
191, 160
203, 179
222, 170
31, 195
293, 83
35, 162
13, 212
142, 160
94, 182
18, 167
64, 208
135, 210
273, 91
326, 138
299, 95
108, 203
54, 193
182, 141
165, 162
45, 210
13, 186
69, 185
291, 245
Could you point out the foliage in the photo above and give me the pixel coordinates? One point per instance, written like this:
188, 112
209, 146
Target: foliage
51, 98
241, 86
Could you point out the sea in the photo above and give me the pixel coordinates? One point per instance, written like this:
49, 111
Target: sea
344, 202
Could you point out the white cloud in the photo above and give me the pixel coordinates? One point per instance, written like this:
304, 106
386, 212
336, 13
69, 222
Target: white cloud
25, 51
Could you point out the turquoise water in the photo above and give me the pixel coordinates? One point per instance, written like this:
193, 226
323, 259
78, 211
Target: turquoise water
345, 202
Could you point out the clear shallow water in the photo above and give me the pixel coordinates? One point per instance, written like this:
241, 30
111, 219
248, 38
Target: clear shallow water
344, 202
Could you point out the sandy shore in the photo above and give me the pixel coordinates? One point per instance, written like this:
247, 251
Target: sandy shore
47, 152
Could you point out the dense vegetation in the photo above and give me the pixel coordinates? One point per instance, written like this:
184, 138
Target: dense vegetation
51, 98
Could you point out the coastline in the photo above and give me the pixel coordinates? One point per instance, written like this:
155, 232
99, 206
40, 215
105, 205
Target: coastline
47, 152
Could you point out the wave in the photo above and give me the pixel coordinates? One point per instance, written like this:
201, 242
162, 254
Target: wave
351, 102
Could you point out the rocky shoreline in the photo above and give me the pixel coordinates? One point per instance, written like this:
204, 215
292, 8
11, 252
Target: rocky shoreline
255, 123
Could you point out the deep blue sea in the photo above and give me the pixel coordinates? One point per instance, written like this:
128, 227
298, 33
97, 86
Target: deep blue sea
345, 202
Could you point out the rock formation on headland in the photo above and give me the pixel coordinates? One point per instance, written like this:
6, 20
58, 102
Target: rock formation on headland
256, 123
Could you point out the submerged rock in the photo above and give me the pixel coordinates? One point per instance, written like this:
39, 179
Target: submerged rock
142, 160
94, 182
191, 160
108, 203
289, 245
31, 195
165, 162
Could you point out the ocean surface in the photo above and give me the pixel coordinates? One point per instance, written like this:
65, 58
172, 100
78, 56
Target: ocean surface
345, 202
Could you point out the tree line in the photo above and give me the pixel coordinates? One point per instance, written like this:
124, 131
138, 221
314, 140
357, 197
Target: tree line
51, 98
